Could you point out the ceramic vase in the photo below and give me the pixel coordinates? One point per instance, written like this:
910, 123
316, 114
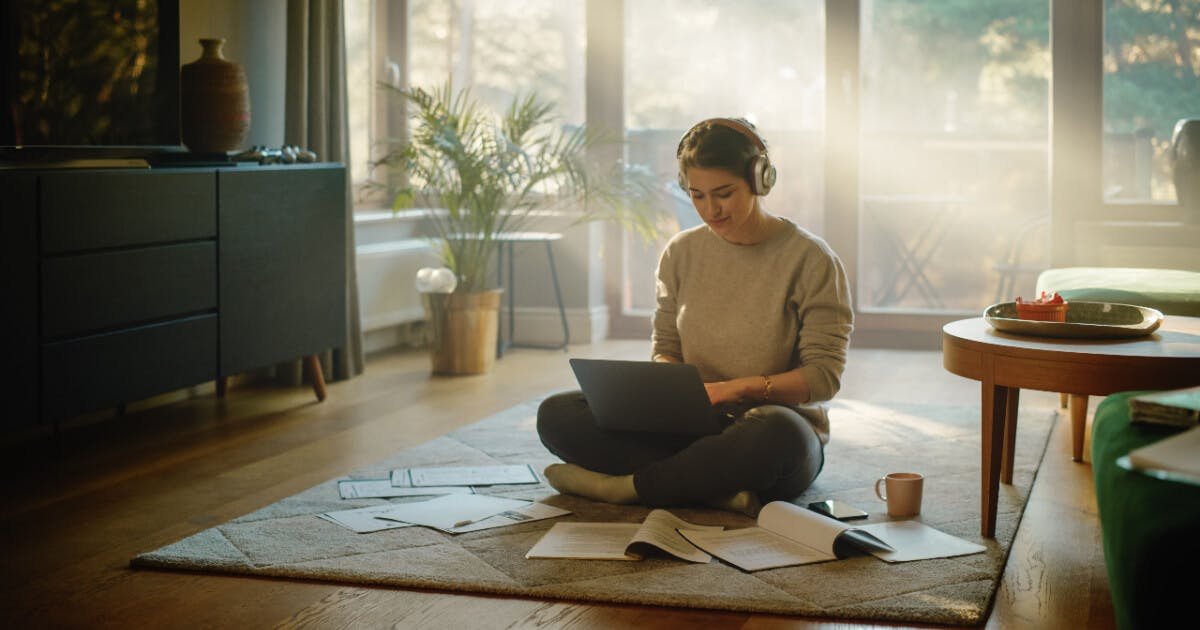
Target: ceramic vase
214, 102
1185, 153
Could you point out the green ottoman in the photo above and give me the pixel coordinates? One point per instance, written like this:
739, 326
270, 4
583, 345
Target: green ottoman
1150, 528
1171, 291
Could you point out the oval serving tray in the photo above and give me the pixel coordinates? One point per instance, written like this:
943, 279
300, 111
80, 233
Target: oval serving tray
1085, 320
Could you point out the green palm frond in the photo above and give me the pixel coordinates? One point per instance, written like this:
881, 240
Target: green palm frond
489, 173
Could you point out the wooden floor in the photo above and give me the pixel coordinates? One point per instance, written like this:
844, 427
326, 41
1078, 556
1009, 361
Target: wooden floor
75, 511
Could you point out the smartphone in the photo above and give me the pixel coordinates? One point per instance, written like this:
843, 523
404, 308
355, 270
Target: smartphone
837, 509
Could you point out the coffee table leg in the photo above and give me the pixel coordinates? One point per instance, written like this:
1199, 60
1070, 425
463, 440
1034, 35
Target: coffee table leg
994, 409
1079, 406
1010, 434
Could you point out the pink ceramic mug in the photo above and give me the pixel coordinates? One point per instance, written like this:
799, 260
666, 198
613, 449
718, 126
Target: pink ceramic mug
902, 492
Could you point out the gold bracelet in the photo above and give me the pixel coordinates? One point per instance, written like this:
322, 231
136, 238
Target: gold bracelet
766, 387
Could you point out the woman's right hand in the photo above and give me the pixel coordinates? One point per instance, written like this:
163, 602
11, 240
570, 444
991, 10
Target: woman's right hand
724, 392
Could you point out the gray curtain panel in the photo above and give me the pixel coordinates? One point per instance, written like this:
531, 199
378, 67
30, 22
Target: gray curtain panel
316, 118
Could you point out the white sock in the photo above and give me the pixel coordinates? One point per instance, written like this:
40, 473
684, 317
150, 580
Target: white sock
573, 479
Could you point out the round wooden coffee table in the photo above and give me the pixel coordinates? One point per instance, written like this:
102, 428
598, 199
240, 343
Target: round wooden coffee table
1005, 363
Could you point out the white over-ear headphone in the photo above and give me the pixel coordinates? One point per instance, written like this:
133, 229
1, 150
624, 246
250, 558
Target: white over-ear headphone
760, 172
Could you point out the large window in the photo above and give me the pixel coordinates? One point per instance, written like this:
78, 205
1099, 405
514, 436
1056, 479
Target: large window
501, 48
1151, 80
956, 150
687, 60
498, 49
953, 166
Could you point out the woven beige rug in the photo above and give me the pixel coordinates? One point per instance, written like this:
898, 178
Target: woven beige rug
288, 540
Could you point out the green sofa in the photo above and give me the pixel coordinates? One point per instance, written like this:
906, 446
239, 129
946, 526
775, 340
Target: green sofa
1150, 527
1171, 291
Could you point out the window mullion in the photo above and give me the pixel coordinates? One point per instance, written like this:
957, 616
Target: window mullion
842, 124
1076, 121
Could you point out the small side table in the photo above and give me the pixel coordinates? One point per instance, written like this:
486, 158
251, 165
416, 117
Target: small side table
505, 250
1005, 363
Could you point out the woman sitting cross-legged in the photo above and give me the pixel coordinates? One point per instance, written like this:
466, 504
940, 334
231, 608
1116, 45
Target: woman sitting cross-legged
762, 308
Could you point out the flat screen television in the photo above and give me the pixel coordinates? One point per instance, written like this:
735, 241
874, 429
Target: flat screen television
89, 78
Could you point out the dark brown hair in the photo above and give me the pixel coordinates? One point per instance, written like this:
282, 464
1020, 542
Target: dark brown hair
712, 144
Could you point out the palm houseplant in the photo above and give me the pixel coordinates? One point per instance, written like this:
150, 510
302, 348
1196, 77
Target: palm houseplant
483, 174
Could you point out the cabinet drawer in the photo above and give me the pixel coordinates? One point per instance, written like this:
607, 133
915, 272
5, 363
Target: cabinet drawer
95, 209
90, 292
104, 370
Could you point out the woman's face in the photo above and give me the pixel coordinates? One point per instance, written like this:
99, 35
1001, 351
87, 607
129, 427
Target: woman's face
724, 201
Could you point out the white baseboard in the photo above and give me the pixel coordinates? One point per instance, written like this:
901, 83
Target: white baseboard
411, 335
540, 325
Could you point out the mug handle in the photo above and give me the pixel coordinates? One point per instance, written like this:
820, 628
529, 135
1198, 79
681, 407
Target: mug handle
878, 493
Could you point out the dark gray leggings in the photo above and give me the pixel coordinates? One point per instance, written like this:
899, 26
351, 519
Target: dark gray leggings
769, 450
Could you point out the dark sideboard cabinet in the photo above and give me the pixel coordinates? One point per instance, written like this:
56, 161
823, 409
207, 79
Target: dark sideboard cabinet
126, 283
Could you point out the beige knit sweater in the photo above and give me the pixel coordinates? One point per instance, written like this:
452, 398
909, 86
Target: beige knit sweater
742, 310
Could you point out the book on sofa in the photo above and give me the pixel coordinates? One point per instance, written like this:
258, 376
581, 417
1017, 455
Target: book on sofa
1176, 407
1176, 458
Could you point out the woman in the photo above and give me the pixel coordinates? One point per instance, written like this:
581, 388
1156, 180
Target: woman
762, 308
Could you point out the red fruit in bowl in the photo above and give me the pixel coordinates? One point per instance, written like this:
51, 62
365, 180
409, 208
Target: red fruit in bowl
1047, 308
1053, 298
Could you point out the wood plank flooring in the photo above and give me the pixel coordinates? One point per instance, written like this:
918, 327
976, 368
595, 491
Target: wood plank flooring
76, 509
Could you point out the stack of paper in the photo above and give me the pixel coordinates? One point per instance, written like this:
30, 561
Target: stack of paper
457, 510
452, 513
383, 489
437, 476
363, 520
436, 480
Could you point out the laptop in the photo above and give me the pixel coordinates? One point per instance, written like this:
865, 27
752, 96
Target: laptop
648, 396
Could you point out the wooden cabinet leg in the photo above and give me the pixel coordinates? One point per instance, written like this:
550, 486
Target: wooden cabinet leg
1062, 400
318, 377
1079, 408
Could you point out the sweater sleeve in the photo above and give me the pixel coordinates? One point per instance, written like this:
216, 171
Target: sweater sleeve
665, 335
826, 321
